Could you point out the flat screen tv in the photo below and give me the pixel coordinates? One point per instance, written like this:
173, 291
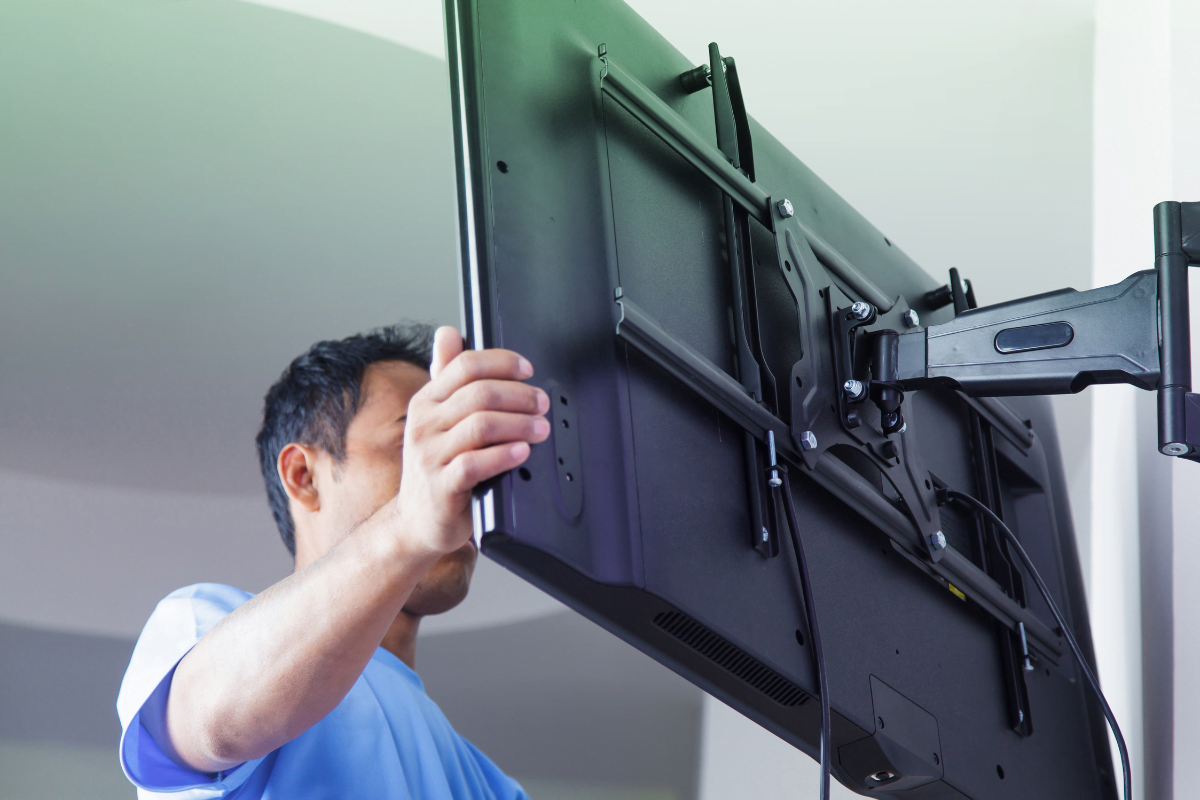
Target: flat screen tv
706, 313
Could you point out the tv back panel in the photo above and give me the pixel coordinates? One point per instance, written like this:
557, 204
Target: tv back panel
599, 236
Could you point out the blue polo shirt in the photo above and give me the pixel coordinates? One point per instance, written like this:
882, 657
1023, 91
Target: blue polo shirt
386, 740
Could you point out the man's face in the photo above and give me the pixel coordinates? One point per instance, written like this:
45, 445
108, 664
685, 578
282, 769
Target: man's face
369, 477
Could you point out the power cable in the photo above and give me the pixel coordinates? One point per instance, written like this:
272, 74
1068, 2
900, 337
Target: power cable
811, 615
950, 494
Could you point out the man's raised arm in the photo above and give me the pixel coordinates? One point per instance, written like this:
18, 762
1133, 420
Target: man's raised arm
281, 662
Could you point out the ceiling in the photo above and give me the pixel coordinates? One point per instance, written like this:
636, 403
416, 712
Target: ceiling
194, 192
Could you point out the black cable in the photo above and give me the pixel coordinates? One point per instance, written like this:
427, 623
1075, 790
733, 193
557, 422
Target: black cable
814, 634
1062, 624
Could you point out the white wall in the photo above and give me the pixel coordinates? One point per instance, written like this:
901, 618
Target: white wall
1145, 555
1132, 173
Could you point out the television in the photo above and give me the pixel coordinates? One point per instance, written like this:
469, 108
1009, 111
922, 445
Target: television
699, 305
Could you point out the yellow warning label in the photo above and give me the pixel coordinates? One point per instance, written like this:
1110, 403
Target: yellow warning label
956, 591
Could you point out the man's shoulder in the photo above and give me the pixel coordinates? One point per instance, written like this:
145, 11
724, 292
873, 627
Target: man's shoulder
217, 594
199, 606
179, 620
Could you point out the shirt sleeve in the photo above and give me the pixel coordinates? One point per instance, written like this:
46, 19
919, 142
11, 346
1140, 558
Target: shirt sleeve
177, 624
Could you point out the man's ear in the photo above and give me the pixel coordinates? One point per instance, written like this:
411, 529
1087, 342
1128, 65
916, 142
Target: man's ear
297, 472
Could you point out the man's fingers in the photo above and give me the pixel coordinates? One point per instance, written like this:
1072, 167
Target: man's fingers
476, 365
447, 343
486, 428
470, 468
492, 395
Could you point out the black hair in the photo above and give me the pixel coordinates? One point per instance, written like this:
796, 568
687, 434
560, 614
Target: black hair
315, 398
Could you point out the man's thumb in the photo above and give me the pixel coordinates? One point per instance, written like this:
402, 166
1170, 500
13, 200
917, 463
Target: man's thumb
447, 344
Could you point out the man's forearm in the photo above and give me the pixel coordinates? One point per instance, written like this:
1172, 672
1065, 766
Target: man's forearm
285, 659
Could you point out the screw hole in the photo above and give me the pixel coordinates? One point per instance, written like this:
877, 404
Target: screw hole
928, 485
500, 165
788, 265
560, 462
1000, 771
566, 424
524, 473
897, 652
562, 399
799, 382
880, 721
889, 241
570, 477
800, 638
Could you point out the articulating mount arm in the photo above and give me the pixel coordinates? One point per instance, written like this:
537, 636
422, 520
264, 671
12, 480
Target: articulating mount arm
1136, 331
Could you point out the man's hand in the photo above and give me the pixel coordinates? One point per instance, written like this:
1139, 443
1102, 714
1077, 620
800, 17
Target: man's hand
474, 420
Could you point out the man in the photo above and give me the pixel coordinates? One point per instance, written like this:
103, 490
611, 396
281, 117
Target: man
369, 448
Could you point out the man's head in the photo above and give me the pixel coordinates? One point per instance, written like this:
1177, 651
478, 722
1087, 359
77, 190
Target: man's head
330, 448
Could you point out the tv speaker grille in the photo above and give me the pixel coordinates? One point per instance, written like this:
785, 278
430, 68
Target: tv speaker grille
731, 658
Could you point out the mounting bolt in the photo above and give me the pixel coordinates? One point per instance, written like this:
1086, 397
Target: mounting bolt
808, 440
911, 319
854, 389
785, 208
938, 541
861, 310
1174, 449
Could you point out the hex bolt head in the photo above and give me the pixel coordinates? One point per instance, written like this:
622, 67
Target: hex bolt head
1174, 449
938, 540
854, 389
861, 310
785, 208
808, 440
911, 319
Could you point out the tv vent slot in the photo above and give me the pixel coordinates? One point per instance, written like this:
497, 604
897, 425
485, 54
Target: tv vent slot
731, 658
959, 528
